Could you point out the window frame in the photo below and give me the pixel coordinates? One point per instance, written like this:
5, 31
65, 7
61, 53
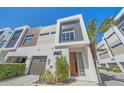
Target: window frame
1, 32
28, 37
2, 43
44, 34
122, 29
15, 37
67, 36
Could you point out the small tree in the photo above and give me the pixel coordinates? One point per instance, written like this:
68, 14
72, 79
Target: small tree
62, 69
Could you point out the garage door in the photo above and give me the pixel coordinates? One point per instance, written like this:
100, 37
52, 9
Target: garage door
38, 65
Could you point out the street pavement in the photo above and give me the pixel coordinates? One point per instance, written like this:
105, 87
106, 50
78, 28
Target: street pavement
111, 78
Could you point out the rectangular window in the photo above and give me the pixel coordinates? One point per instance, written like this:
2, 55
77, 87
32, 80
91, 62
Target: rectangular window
1, 32
122, 29
80, 64
43, 34
57, 53
116, 45
110, 35
14, 39
68, 35
53, 32
28, 40
2, 43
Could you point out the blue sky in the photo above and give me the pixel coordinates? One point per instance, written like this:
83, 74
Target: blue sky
14, 17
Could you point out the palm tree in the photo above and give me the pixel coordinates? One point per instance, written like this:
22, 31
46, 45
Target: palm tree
106, 24
92, 30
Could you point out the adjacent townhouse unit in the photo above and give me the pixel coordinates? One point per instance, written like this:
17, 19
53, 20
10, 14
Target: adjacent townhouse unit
5, 34
39, 46
111, 48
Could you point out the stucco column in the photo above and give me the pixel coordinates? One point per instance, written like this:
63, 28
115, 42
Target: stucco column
120, 66
94, 74
28, 62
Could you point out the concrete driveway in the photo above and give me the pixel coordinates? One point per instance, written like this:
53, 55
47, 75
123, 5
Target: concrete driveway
111, 78
19, 81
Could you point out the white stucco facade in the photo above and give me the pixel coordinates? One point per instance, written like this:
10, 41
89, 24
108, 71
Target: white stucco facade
50, 41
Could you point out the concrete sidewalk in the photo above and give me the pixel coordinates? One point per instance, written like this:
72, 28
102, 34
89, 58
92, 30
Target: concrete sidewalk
29, 80
19, 81
75, 83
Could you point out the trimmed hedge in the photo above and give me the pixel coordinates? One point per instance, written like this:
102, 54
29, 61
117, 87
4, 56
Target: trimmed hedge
10, 70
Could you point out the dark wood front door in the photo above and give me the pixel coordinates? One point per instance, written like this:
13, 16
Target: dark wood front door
73, 64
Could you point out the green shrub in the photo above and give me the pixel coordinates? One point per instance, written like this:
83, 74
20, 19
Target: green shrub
62, 69
11, 70
102, 67
108, 69
116, 69
113, 68
48, 77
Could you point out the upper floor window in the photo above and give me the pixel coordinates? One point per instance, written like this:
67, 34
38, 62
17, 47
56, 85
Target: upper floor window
122, 29
1, 32
68, 35
2, 43
28, 40
14, 39
110, 35
116, 45
9, 32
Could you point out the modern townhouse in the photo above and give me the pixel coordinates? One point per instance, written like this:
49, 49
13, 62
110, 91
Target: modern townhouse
111, 48
5, 34
39, 46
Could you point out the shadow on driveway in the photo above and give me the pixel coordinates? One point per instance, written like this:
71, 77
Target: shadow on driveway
106, 77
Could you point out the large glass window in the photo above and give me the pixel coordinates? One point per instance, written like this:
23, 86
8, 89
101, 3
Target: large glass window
122, 29
68, 35
1, 32
14, 39
2, 43
80, 64
28, 40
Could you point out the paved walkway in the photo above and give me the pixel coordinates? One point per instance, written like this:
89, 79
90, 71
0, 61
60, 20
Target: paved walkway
83, 83
29, 80
111, 78
75, 83
19, 81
